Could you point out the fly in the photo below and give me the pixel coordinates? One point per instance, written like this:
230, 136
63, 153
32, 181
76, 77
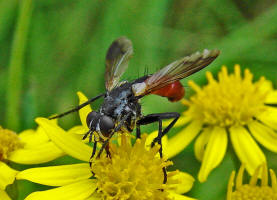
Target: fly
121, 110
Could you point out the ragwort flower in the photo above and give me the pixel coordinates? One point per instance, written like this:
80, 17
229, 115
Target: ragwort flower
132, 172
253, 190
232, 105
28, 147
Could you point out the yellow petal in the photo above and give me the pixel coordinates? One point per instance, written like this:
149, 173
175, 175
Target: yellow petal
152, 136
7, 175
180, 141
79, 130
38, 154
194, 86
57, 175
176, 196
246, 148
83, 112
95, 196
80, 190
65, 141
32, 138
239, 179
230, 185
273, 180
4, 195
269, 117
214, 153
180, 122
264, 135
184, 182
200, 143
271, 97
254, 178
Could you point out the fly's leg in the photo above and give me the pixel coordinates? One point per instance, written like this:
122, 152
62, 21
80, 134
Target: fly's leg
148, 119
90, 134
138, 133
106, 142
107, 149
173, 115
87, 134
92, 155
104, 146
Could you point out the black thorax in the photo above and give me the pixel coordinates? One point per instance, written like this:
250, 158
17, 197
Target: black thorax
119, 102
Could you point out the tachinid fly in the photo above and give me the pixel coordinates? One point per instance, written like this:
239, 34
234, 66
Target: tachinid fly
121, 110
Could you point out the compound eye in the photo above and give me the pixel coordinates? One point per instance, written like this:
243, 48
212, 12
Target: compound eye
106, 125
92, 119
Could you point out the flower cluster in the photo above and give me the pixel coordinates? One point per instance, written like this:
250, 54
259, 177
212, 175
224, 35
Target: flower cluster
234, 106
132, 172
28, 147
253, 190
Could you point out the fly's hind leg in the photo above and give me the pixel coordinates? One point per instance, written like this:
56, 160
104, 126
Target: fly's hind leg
93, 154
148, 119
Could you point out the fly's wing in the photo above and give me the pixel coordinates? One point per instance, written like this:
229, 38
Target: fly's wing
117, 59
175, 72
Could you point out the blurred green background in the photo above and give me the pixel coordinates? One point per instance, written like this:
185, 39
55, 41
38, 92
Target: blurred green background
50, 49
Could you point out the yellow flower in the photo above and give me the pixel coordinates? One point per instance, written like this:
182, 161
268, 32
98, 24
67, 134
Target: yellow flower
253, 191
233, 105
29, 147
132, 172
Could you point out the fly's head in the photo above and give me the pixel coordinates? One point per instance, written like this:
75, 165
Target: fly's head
100, 123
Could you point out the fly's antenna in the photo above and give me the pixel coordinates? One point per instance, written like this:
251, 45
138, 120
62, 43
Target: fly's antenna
78, 107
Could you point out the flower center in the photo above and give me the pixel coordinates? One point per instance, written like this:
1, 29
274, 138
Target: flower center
232, 100
9, 142
247, 192
132, 172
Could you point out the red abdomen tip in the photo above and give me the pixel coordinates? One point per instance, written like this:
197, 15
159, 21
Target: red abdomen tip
174, 91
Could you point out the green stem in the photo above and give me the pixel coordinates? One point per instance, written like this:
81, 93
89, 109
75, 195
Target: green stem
232, 153
14, 85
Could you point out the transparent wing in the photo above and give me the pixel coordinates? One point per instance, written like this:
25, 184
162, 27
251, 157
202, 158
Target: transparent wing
175, 71
117, 58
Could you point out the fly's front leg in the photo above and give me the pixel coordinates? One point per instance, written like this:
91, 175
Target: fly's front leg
94, 149
90, 134
158, 118
116, 129
92, 155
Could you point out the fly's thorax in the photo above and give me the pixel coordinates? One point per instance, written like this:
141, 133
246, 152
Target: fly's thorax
118, 101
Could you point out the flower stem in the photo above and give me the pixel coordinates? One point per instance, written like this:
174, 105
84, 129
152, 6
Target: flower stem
14, 85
